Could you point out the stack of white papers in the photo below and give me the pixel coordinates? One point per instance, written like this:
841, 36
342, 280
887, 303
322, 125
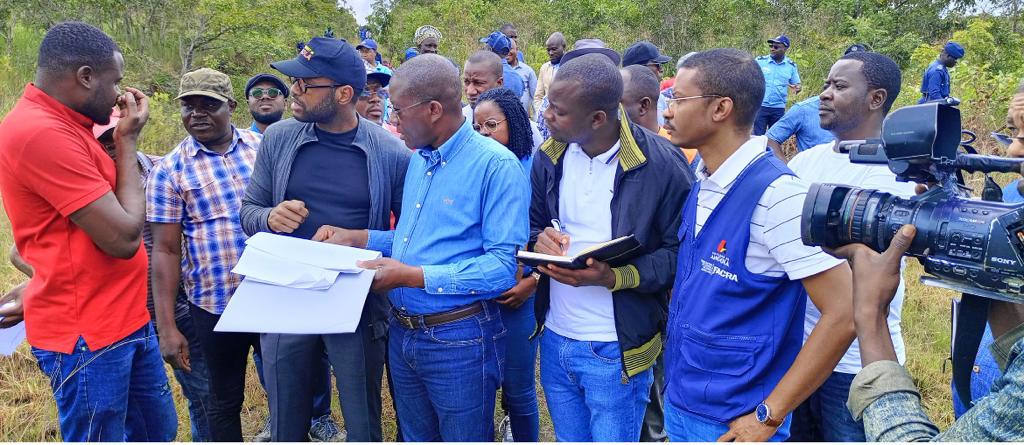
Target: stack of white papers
11, 338
297, 286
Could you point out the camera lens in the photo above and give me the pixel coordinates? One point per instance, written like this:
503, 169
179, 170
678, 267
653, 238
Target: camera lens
835, 215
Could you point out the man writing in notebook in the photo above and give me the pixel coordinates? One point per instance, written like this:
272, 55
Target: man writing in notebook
602, 177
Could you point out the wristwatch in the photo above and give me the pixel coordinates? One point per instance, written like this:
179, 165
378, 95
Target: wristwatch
536, 276
764, 415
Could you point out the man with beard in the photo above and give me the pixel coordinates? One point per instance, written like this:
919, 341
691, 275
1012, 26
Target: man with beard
266, 94
327, 166
193, 196
77, 217
859, 91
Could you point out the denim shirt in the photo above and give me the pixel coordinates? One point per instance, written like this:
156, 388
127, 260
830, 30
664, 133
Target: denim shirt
883, 393
463, 217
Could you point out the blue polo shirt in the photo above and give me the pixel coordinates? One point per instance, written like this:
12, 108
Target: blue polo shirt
935, 84
803, 121
778, 76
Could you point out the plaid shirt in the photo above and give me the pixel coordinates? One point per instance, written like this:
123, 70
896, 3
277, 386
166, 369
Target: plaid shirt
202, 190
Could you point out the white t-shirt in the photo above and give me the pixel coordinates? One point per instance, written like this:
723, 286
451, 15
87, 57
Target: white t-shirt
585, 313
775, 247
822, 164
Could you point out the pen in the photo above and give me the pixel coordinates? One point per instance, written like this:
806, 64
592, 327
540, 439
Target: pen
558, 228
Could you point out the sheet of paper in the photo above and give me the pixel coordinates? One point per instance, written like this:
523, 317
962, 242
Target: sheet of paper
313, 253
266, 308
268, 268
11, 338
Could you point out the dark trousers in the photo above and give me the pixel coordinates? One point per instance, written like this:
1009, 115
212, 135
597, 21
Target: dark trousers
227, 355
766, 117
358, 361
654, 419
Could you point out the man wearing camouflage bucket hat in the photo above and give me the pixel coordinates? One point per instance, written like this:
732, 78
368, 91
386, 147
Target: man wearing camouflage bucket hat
194, 194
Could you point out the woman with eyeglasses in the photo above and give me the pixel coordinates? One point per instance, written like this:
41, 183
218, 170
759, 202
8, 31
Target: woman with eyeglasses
500, 115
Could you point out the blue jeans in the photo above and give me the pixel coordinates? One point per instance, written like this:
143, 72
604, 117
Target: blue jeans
588, 396
823, 417
446, 376
766, 117
519, 389
984, 374
195, 385
682, 426
322, 385
117, 393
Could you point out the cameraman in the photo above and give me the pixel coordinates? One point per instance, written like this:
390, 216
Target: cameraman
883, 393
859, 92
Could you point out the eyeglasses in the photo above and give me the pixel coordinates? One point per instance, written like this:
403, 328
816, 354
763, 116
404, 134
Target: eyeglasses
672, 101
1005, 139
258, 93
396, 113
367, 94
303, 86
205, 107
490, 124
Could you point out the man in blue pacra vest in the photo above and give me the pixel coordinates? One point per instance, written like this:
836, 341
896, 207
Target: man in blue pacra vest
935, 84
736, 365
780, 74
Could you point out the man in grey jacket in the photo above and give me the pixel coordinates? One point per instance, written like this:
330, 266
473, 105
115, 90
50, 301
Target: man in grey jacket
326, 166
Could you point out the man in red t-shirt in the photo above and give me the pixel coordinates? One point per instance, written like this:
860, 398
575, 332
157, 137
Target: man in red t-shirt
77, 218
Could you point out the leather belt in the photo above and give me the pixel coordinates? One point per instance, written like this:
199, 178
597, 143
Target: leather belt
459, 313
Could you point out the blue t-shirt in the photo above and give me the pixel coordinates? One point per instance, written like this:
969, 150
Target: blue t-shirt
803, 121
1011, 193
513, 80
778, 76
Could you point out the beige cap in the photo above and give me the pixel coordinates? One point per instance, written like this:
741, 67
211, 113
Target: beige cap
206, 82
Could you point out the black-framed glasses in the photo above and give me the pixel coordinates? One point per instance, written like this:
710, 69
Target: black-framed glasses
368, 93
258, 93
303, 86
490, 124
207, 107
1005, 139
396, 113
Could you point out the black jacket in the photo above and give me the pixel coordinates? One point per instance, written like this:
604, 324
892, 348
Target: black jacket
651, 184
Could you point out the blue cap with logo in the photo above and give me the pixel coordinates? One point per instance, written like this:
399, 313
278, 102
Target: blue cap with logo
498, 42
367, 43
334, 59
955, 50
780, 39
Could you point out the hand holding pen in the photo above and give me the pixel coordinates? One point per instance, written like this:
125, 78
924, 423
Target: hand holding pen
552, 241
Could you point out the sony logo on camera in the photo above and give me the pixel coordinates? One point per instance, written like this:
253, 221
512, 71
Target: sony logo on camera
996, 259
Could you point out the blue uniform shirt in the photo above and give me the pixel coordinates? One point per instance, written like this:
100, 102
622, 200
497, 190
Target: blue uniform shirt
803, 121
464, 212
935, 84
778, 76
513, 80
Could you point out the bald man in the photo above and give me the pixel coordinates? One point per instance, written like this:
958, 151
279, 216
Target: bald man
464, 214
555, 46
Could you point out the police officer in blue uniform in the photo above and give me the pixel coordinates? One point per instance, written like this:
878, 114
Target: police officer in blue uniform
935, 84
780, 74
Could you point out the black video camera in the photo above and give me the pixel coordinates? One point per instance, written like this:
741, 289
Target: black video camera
964, 244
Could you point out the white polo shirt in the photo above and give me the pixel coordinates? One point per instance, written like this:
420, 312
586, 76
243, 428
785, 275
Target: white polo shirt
775, 247
821, 164
585, 193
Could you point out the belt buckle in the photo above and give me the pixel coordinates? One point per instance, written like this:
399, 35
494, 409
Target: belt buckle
405, 320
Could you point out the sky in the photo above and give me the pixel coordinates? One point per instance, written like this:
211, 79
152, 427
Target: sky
361, 9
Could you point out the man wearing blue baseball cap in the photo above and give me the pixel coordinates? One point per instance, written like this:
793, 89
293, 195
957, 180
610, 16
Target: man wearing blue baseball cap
935, 84
326, 166
780, 75
646, 54
368, 52
502, 45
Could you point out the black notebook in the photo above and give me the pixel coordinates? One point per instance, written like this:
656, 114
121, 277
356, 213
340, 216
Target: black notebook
615, 252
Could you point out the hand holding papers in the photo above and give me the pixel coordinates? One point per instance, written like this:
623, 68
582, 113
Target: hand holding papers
297, 286
11, 337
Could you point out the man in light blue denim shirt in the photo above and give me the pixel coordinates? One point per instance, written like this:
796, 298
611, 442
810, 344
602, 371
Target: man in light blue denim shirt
464, 213
884, 395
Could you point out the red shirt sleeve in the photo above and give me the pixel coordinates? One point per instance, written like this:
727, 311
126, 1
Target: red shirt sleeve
65, 170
